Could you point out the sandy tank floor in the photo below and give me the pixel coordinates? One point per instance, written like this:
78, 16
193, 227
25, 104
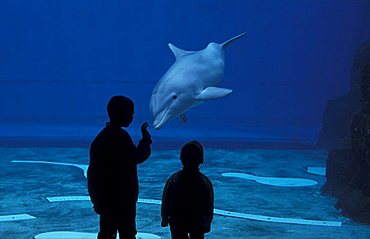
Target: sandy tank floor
253, 195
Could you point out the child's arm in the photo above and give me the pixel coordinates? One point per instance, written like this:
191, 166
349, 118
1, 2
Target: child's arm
143, 151
210, 207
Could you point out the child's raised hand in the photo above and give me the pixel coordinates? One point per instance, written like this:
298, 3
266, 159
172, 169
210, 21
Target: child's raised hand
144, 130
164, 222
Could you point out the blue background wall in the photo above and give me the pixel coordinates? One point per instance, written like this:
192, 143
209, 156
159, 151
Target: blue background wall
61, 61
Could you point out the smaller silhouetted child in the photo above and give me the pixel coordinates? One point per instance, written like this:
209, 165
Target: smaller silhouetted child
187, 202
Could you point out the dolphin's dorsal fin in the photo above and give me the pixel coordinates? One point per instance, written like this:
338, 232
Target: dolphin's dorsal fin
228, 42
177, 51
211, 93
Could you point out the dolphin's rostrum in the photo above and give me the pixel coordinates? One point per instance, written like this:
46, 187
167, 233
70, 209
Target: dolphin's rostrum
190, 81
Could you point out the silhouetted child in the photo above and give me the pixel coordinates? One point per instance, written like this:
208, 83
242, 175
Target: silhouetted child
187, 202
112, 173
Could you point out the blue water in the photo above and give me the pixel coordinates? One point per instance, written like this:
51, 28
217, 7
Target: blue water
61, 61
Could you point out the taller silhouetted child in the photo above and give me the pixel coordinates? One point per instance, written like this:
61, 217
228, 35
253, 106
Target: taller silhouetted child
112, 173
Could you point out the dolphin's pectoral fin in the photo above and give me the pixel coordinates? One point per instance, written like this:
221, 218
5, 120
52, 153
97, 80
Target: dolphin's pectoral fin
211, 93
183, 118
177, 51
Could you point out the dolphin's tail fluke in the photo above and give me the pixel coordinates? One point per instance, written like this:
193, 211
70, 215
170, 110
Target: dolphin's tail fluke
228, 42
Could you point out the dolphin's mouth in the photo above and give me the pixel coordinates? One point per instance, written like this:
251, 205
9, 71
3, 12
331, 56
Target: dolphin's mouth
159, 123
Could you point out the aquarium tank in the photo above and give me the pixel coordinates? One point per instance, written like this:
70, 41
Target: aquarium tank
276, 92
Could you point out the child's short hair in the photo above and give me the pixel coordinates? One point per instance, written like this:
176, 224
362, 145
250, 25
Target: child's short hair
119, 107
192, 154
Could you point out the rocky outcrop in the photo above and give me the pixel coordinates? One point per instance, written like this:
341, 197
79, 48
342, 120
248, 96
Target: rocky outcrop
337, 121
361, 60
338, 113
348, 163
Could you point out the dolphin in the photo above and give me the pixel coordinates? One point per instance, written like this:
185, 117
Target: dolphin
191, 80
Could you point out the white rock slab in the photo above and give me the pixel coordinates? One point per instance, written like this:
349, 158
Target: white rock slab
80, 166
224, 213
87, 198
274, 181
16, 217
316, 170
68, 198
85, 235
150, 201
278, 219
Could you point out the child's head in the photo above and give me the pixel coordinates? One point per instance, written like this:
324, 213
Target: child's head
192, 154
120, 110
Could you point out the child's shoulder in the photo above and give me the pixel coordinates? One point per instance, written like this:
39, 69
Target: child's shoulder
118, 132
205, 178
175, 176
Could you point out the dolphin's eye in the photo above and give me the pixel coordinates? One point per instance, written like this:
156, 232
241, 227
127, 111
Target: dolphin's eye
174, 97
